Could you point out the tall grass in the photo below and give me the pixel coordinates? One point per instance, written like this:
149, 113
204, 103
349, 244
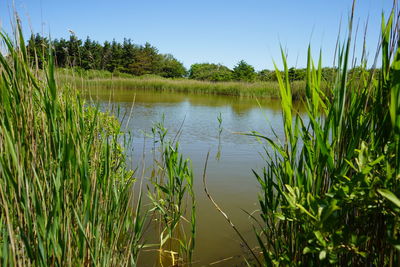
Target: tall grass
173, 201
105, 80
330, 189
66, 196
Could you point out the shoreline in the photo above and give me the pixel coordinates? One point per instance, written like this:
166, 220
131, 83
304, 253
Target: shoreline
239, 89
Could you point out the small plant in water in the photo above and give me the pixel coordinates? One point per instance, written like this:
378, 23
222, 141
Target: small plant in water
173, 189
220, 129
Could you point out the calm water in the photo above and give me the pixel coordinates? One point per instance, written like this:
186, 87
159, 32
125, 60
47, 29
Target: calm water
230, 179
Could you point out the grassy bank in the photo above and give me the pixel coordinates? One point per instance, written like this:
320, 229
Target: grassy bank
105, 80
67, 197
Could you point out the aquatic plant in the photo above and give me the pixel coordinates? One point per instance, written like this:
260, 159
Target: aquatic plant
173, 201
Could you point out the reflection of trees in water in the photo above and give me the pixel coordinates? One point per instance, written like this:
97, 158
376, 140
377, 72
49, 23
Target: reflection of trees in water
240, 106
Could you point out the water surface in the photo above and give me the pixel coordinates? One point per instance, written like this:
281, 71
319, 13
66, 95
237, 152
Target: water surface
230, 179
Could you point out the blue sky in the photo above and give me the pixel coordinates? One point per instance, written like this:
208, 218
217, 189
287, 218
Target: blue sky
215, 31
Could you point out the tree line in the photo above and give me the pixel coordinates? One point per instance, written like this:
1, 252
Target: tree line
137, 60
125, 57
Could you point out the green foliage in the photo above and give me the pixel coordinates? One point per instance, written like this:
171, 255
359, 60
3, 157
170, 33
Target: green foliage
92, 79
210, 72
90, 55
297, 74
145, 61
267, 76
170, 67
66, 195
114, 57
74, 50
244, 72
172, 179
330, 189
329, 74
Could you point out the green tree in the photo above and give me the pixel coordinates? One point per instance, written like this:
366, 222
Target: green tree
114, 57
210, 72
106, 56
170, 67
61, 52
129, 50
74, 45
244, 72
36, 48
145, 61
91, 54
266, 75
115, 63
297, 74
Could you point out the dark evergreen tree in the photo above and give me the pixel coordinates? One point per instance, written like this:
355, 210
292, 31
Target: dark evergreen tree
115, 63
87, 58
36, 49
106, 56
128, 54
74, 49
114, 57
61, 52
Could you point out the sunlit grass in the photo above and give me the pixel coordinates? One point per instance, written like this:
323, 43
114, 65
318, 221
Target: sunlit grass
66, 195
330, 188
105, 80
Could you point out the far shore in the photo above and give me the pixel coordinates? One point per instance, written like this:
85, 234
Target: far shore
107, 80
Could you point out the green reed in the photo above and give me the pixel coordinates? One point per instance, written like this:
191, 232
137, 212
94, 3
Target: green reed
66, 196
329, 190
104, 80
173, 201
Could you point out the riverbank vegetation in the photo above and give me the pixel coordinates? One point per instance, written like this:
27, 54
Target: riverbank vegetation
66, 193
88, 64
91, 80
138, 60
330, 189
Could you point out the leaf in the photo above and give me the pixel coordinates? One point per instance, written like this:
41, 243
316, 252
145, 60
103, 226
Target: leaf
306, 211
280, 216
320, 238
390, 196
306, 250
322, 255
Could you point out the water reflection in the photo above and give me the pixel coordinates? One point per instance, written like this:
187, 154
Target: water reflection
230, 179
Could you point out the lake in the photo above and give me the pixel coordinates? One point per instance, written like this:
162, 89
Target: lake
230, 178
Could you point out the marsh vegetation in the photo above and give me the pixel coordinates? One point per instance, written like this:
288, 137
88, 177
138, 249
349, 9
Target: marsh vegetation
328, 188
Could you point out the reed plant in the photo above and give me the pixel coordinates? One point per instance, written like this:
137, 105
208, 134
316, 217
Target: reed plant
173, 201
66, 194
329, 191
104, 80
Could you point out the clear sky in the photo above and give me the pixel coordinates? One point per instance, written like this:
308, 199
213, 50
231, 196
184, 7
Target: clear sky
215, 31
